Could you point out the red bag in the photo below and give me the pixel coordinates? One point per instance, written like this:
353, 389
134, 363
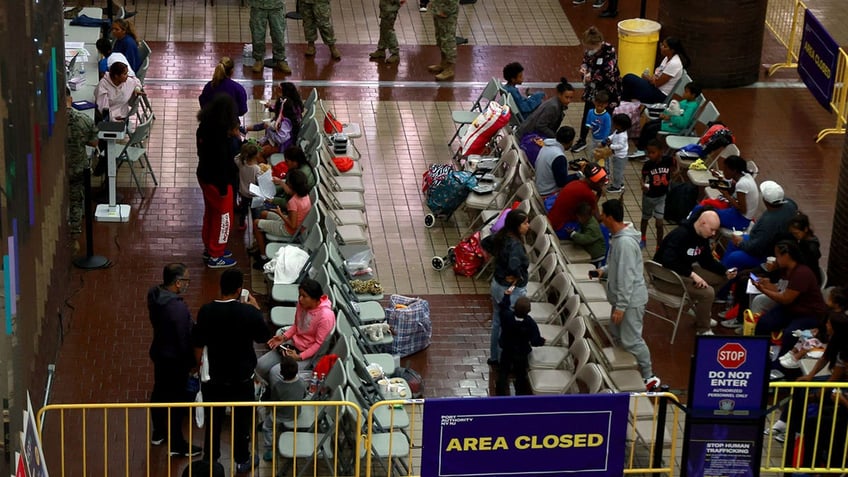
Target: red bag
468, 256
325, 364
715, 203
331, 124
343, 163
280, 170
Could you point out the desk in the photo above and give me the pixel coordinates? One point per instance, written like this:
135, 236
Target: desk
81, 33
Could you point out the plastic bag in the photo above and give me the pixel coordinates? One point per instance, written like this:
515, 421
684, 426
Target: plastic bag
199, 412
204, 366
358, 263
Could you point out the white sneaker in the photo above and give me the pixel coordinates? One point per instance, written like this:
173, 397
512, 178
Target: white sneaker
713, 323
652, 383
789, 362
705, 333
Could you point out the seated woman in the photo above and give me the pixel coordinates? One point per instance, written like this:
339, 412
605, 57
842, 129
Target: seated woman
672, 124
283, 224
222, 83
513, 74
797, 306
314, 322
115, 90
545, 120
799, 227
655, 88
126, 42
738, 203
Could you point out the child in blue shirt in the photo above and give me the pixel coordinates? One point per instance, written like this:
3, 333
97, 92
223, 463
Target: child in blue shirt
599, 120
514, 75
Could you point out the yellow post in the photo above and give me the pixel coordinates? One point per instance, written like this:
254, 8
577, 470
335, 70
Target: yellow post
839, 99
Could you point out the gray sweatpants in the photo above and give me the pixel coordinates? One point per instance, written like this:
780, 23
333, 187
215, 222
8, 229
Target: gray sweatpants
628, 334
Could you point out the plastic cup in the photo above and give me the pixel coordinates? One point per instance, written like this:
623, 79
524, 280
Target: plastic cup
771, 260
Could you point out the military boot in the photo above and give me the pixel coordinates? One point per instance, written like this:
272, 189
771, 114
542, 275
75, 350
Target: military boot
283, 66
446, 73
258, 66
310, 49
435, 69
378, 54
335, 53
393, 59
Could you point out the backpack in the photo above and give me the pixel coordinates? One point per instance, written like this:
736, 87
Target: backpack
413, 378
718, 136
679, 201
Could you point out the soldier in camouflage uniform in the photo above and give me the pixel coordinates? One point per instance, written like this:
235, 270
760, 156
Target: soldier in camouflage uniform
272, 13
445, 14
317, 16
81, 132
388, 39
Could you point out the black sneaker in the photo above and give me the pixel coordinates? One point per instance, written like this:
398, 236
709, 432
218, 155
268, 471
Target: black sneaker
579, 145
608, 14
157, 439
248, 465
185, 450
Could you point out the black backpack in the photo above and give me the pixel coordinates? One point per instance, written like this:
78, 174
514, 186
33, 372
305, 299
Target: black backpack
679, 201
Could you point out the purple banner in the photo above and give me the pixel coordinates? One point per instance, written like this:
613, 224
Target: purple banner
730, 376
817, 59
526, 436
722, 449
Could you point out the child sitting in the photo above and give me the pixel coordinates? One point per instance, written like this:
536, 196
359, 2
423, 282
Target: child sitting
286, 387
250, 169
656, 176
589, 234
514, 75
598, 120
808, 345
518, 333
283, 224
617, 142
673, 124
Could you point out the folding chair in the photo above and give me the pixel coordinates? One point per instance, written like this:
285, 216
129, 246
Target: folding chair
561, 381
706, 115
135, 151
341, 199
560, 287
346, 234
313, 217
681, 300
316, 442
553, 354
463, 118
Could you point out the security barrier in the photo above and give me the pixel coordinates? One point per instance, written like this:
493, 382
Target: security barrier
785, 20
115, 439
839, 100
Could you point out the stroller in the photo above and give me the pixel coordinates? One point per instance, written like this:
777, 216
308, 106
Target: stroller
446, 189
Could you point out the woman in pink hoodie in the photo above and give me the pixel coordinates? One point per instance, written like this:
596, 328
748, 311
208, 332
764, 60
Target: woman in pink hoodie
313, 323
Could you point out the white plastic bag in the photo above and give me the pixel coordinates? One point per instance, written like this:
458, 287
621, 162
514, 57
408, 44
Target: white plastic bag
288, 263
199, 412
359, 262
204, 366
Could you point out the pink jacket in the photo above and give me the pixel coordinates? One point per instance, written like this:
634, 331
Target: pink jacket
311, 327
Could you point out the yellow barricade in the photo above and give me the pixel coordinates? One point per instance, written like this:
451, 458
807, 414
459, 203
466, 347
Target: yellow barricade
839, 99
785, 20
115, 439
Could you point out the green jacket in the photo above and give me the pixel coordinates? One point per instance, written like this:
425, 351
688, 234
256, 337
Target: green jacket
677, 124
589, 237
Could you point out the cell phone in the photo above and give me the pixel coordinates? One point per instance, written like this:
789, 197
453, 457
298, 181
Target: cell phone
594, 274
719, 183
285, 347
755, 278
245, 295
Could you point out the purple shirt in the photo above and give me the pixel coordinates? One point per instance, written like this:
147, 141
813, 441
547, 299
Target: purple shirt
229, 87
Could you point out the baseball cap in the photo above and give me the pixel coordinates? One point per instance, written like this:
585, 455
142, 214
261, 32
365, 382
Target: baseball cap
772, 193
596, 174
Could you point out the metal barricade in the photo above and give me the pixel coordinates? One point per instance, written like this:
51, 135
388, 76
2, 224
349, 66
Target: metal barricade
115, 439
785, 20
839, 99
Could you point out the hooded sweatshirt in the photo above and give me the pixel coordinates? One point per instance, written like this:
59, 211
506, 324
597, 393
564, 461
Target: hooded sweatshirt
172, 326
551, 168
311, 327
625, 278
518, 333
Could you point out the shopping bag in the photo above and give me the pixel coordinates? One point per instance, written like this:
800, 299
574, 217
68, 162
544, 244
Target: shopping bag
409, 319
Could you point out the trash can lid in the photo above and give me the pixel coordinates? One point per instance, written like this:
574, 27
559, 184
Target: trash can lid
638, 26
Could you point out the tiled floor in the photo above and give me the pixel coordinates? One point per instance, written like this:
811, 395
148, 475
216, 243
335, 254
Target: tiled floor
406, 127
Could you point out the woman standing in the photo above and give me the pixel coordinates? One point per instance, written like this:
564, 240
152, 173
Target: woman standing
600, 73
650, 89
217, 173
511, 269
222, 83
126, 42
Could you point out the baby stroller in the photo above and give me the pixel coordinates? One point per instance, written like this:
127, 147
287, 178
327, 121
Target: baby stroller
446, 189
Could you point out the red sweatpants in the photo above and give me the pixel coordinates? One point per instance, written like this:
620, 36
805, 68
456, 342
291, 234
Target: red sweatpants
217, 218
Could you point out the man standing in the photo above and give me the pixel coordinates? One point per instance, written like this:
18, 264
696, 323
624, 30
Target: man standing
81, 132
228, 328
173, 357
686, 250
388, 39
317, 16
445, 13
272, 13
626, 289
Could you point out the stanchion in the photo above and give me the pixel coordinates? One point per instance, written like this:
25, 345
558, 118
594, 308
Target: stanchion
89, 261
295, 15
659, 439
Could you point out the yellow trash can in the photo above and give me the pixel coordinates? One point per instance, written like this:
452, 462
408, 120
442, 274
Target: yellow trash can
637, 45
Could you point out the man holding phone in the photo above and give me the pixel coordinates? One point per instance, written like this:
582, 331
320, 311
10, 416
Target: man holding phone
626, 289
687, 251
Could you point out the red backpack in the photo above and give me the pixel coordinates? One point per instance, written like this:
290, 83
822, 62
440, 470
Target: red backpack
469, 256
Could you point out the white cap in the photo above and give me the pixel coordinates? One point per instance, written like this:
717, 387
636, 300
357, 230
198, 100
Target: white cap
772, 193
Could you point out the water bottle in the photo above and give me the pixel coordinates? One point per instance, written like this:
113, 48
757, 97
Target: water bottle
313, 383
81, 69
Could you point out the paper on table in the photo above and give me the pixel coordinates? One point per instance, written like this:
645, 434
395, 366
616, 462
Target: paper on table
76, 47
264, 189
751, 289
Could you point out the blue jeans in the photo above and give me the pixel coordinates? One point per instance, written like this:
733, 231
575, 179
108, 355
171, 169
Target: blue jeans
636, 87
497, 291
730, 218
733, 257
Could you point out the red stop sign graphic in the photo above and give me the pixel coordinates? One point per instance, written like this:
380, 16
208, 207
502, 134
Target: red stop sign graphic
731, 355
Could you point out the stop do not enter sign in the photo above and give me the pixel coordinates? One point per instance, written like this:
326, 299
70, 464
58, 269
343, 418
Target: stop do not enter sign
731, 355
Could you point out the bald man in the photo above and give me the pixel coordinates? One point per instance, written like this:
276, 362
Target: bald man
687, 251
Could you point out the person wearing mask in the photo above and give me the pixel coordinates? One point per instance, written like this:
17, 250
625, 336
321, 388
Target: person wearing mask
600, 73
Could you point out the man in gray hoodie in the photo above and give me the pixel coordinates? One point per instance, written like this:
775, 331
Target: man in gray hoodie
626, 289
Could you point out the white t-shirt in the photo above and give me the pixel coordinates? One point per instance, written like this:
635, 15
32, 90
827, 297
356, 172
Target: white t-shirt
672, 67
748, 186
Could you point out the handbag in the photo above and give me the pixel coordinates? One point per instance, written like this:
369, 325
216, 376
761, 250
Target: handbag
343, 163
331, 124
199, 413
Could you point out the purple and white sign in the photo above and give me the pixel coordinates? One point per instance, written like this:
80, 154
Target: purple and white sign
817, 59
526, 436
722, 449
730, 376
